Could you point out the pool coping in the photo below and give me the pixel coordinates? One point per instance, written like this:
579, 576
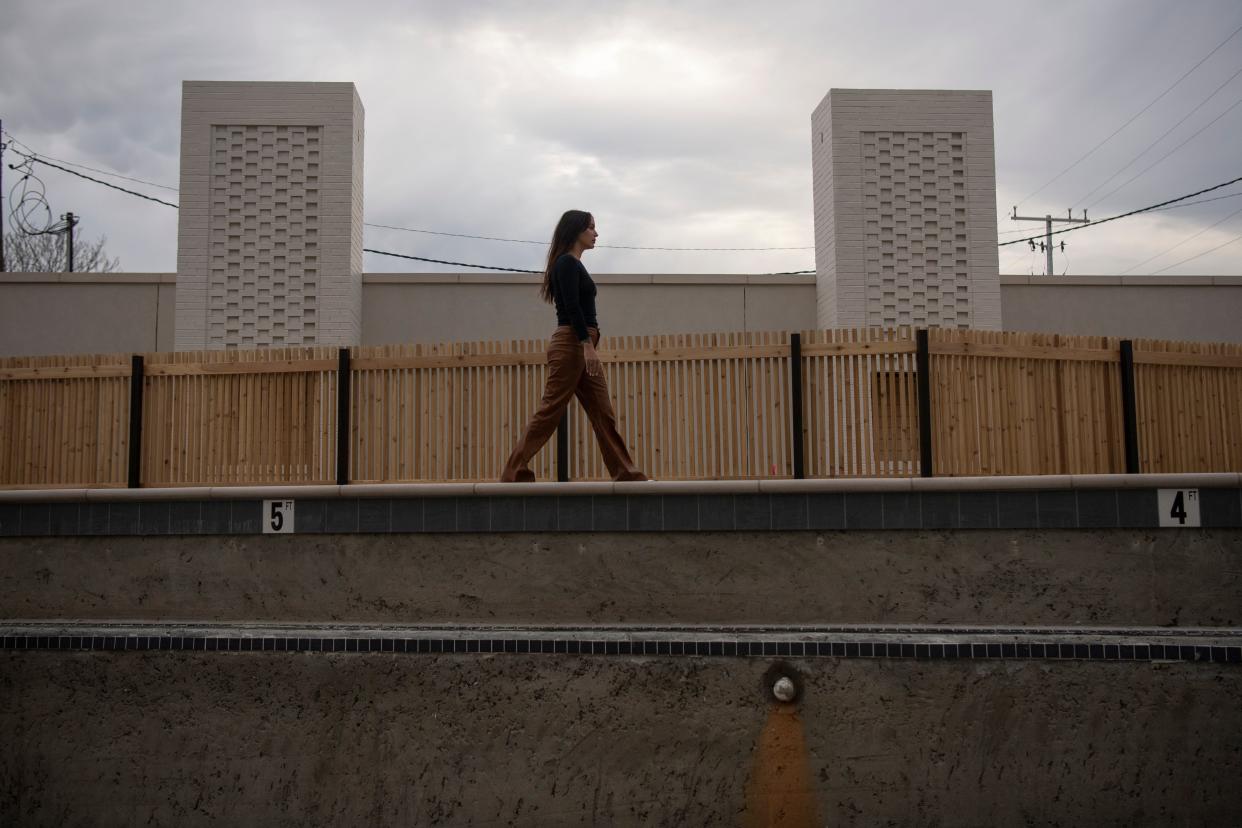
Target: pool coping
661, 487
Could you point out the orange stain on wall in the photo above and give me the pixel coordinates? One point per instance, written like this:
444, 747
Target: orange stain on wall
779, 792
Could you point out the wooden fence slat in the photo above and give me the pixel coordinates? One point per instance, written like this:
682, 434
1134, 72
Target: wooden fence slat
691, 406
51, 372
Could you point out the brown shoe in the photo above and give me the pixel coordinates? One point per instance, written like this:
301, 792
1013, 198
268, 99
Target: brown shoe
521, 476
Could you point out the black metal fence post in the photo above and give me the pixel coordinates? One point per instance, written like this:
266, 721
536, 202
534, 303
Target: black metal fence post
795, 402
562, 448
1129, 411
923, 364
342, 417
136, 380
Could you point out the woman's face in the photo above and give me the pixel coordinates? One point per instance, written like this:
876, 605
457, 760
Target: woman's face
586, 240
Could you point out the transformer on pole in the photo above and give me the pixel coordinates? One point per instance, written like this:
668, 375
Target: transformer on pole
1048, 220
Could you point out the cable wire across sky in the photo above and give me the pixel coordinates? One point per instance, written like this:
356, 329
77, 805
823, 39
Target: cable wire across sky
1198, 255
31, 157
610, 246
1183, 241
108, 173
1143, 171
1164, 135
1039, 236
36, 159
1131, 120
42, 159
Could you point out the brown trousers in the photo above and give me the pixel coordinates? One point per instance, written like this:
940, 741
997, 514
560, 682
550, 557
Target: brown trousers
567, 377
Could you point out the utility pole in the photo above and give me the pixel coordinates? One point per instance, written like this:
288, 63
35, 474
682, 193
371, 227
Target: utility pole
1048, 220
70, 223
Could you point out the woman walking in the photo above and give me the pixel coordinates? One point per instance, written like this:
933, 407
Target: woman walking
573, 366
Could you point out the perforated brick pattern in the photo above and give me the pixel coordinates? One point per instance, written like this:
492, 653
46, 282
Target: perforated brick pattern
265, 235
269, 249
914, 203
905, 209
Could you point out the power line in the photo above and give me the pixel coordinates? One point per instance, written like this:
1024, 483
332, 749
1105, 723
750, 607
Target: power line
1180, 243
1200, 201
36, 159
454, 235
610, 246
442, 261
41, 159
515, 269
1166, 155
33, 158
28, 201
1126, 166
114, 174
1132, 117
1156, 209
1198, 255
1164, 204
111, 173
1123, 215
13, 139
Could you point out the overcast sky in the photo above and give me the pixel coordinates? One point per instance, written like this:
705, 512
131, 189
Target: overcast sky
677, 125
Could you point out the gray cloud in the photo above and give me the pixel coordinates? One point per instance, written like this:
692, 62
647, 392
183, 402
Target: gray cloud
682, 124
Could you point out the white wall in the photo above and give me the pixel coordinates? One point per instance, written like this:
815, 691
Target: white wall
409, 307
1202, 308
82, 313
54, 313
51, 313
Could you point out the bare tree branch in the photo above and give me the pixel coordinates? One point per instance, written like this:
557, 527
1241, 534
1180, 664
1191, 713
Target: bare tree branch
46, 254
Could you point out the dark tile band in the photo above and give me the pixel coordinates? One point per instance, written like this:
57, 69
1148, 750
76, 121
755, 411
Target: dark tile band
1132, 651
1063, 509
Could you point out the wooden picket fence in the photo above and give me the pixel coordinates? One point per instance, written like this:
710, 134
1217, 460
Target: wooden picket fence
694, 406
1189, 405
1016, 403
234, 418
690, 406
64, 421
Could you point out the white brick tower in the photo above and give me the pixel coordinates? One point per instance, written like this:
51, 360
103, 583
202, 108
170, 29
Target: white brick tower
905, 209
269, 248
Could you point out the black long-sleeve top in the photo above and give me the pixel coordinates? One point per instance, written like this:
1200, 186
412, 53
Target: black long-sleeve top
573, 290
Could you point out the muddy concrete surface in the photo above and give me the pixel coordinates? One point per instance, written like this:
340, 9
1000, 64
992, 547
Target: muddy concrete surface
1021, 577
285, 739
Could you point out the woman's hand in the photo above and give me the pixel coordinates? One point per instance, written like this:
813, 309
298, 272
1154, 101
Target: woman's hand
594, 367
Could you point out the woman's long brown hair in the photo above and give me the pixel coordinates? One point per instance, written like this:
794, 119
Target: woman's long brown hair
568, 229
